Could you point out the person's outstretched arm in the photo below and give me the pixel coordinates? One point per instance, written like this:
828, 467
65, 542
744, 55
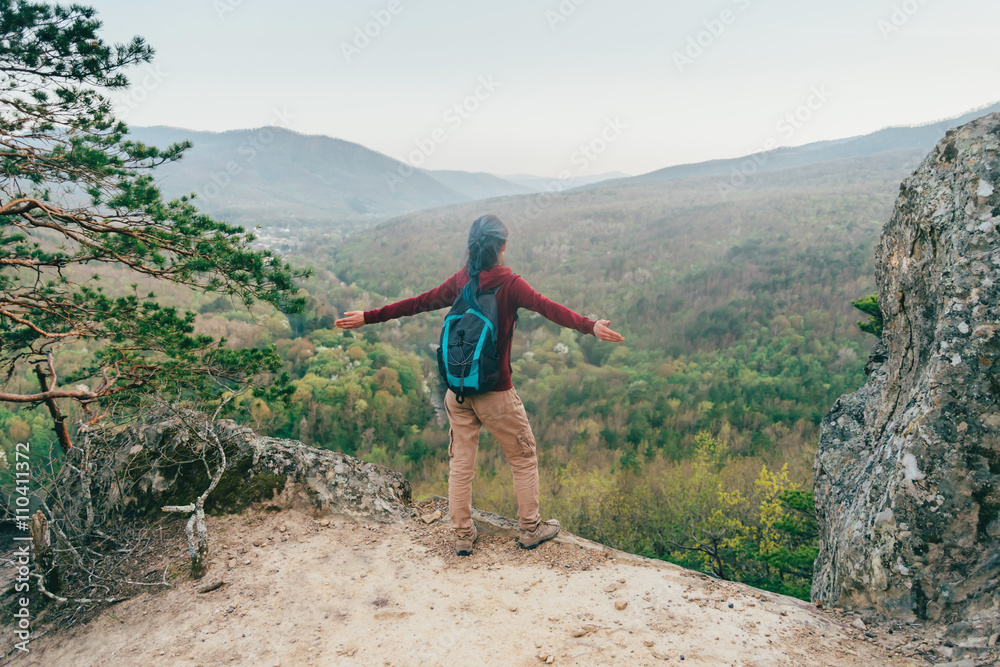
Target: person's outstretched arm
524, 296
440, 297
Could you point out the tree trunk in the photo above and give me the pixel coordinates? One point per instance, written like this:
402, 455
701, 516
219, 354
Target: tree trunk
62, 432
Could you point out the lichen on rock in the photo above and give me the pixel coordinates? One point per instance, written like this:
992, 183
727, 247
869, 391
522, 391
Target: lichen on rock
908, 469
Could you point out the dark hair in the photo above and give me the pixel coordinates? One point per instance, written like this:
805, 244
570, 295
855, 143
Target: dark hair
487, 236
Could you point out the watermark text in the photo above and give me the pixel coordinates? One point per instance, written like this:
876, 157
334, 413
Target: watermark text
22, 555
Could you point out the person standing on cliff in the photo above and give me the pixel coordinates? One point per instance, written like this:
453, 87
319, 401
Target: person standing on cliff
499, 410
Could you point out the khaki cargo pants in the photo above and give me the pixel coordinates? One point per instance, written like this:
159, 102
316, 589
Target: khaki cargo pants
502, 413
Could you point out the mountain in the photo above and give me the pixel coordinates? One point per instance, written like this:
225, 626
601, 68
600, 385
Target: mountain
275, 177
479, 185
543, 184
893, 139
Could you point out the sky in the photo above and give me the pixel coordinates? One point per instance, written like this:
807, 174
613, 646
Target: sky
546, 86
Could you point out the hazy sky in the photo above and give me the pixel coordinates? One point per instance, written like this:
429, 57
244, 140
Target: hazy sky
664, 82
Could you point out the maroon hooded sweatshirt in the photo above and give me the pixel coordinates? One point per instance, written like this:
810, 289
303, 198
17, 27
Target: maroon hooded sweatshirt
514, 293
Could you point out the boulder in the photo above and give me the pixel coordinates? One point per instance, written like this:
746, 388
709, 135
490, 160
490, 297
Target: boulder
161, 460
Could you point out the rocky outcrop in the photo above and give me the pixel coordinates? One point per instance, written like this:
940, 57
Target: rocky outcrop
908, 468
169, 458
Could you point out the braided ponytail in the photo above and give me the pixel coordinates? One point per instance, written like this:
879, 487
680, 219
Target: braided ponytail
486, 238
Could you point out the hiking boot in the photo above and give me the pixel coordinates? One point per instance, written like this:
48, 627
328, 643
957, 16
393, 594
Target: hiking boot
463, 545
543, 532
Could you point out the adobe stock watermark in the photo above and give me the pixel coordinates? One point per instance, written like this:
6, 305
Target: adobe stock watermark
248, 150
562, 12
786, 128
225, 7
142, 85
582, 158
899, 16
365, 34
453, 118
21, 502
713, 29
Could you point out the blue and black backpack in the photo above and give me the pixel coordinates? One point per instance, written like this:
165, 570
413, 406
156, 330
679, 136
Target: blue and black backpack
469, 354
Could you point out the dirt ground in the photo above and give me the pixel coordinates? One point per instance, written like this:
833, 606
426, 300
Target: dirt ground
302, 591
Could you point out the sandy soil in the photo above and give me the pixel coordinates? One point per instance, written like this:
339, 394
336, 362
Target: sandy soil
298, 592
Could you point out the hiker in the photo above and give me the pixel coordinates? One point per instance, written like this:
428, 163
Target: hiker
483, 279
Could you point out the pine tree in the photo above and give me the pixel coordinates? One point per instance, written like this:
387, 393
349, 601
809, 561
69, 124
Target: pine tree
869, 306
75, 191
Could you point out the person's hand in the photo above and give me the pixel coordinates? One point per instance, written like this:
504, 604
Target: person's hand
352, 320
602, 331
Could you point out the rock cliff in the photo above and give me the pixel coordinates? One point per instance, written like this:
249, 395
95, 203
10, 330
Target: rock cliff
908, 468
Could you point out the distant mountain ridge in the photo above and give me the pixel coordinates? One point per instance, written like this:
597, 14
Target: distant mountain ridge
541, 184
887, 140
478, 185
275, 177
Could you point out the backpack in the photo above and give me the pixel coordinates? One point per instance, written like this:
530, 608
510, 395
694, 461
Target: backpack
468, 355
